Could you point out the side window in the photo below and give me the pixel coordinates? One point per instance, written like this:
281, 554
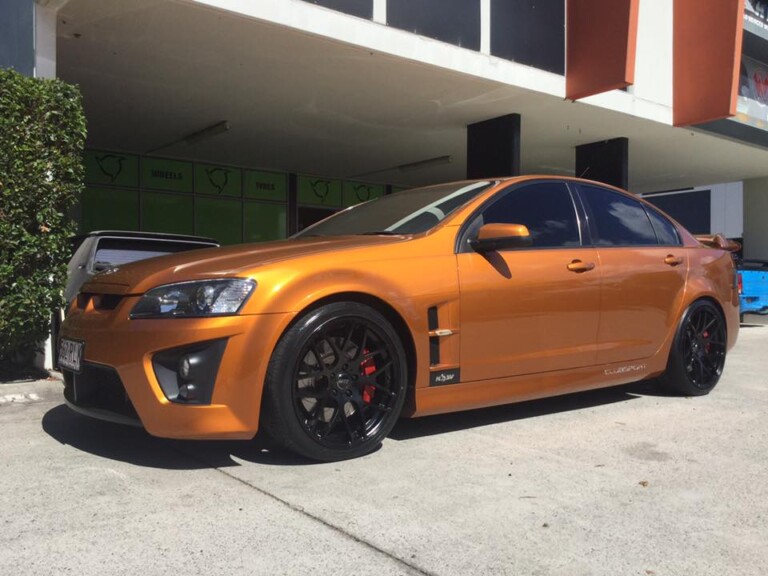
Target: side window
617, 220
545, 208
665, 230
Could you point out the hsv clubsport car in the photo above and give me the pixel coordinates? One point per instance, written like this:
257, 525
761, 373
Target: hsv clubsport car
426, 301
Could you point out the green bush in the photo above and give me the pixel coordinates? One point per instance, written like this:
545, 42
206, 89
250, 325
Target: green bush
42, 135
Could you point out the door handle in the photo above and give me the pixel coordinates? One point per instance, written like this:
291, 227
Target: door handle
673, 260
578, 266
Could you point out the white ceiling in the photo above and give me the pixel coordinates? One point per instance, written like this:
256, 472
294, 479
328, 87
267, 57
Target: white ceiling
152, 71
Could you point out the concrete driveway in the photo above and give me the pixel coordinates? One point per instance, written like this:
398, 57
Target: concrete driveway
615, 482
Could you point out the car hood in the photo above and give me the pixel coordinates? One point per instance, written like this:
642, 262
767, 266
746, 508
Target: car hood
240, 260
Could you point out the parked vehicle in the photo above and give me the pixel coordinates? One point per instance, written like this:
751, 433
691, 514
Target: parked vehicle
753, 284
431, 300
103, 250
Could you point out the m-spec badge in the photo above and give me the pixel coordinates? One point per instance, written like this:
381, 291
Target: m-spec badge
444, 377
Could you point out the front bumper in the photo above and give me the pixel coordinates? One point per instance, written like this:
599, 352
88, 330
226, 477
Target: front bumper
124, 347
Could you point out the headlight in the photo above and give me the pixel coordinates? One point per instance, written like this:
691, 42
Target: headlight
193, 299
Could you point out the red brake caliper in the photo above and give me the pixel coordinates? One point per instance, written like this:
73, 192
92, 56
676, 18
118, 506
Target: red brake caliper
368, 367
707, 345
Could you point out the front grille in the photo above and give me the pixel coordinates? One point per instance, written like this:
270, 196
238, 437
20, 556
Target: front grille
100, 301
100, 387
106, 301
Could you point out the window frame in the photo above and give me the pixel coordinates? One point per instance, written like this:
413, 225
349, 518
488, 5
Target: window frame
468, 230
650, 209
590, 218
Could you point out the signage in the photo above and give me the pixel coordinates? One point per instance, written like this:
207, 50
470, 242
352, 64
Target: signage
756, 17
357, 192
266, 185
111, 168
217, 180
752, 103
171, 175
319, 191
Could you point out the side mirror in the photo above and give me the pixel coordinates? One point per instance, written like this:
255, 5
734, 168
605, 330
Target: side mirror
102, 266
492, 237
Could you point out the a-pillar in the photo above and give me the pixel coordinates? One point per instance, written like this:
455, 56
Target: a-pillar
493, 147
606, 161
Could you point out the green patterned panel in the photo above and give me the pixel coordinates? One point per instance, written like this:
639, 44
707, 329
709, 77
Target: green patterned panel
171, 175
264, 222
168, 213
111, 168
319, 191
356, 192
220, 219
266, 185
217, 180
109, 209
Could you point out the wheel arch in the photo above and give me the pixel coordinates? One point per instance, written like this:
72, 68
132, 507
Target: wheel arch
391, 314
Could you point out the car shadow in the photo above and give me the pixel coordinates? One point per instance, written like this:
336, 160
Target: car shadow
135, 446
442, 423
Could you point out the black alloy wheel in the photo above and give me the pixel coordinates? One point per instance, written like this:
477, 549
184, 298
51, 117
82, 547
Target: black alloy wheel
336, 383
698, 354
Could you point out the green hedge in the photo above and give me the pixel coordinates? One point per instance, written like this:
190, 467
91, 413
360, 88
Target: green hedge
42, 135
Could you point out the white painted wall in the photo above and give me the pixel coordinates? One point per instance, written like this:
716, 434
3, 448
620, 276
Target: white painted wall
653, 66
727, 210
756, 218
45, 37
727, 207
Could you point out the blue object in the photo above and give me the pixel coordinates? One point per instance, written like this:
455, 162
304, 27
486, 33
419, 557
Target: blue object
754, 282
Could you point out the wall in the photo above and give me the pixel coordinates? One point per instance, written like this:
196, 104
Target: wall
725, 211
17, 35
653, 65
756, 218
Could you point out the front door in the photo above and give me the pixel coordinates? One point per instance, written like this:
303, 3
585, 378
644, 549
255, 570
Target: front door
534, 309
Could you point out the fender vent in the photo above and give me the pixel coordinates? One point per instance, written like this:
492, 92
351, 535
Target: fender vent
434, 341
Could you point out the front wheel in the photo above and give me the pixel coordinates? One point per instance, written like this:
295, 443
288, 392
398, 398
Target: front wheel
336, 383
697, 357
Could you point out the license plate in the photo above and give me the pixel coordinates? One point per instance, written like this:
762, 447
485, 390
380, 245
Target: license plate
70, 354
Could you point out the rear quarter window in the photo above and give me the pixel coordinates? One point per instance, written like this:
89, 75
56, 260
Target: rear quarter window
616, 219
666, 233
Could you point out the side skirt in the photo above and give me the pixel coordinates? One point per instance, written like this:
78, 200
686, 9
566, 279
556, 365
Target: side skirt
485, 393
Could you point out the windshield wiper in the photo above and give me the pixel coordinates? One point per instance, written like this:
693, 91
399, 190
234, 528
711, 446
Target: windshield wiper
379, 233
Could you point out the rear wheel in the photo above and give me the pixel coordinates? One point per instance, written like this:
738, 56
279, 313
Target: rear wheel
697, 357
336, 383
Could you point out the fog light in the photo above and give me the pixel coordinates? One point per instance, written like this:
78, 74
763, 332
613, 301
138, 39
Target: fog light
188, 374
188, 392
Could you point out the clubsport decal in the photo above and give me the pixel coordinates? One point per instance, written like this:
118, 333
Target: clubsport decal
625, 369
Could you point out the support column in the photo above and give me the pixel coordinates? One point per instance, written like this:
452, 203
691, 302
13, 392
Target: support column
17, 36
28, 36
606, 161
493, 147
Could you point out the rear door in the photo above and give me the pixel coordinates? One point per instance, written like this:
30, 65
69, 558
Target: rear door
644, 269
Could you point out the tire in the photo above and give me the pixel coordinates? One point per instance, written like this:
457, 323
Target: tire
697, 357
336, 383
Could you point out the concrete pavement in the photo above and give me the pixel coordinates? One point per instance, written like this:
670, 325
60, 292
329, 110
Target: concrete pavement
613, 482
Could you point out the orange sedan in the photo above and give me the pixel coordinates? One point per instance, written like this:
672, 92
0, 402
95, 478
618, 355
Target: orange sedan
426, 301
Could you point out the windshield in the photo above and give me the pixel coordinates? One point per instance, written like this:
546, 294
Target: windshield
406, 212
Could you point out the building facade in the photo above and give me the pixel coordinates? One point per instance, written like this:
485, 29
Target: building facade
247, 120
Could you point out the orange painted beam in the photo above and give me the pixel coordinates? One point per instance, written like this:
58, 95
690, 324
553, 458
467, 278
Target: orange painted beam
707, 54
601, 42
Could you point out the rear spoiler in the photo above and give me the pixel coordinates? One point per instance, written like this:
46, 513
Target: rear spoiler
719, 242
